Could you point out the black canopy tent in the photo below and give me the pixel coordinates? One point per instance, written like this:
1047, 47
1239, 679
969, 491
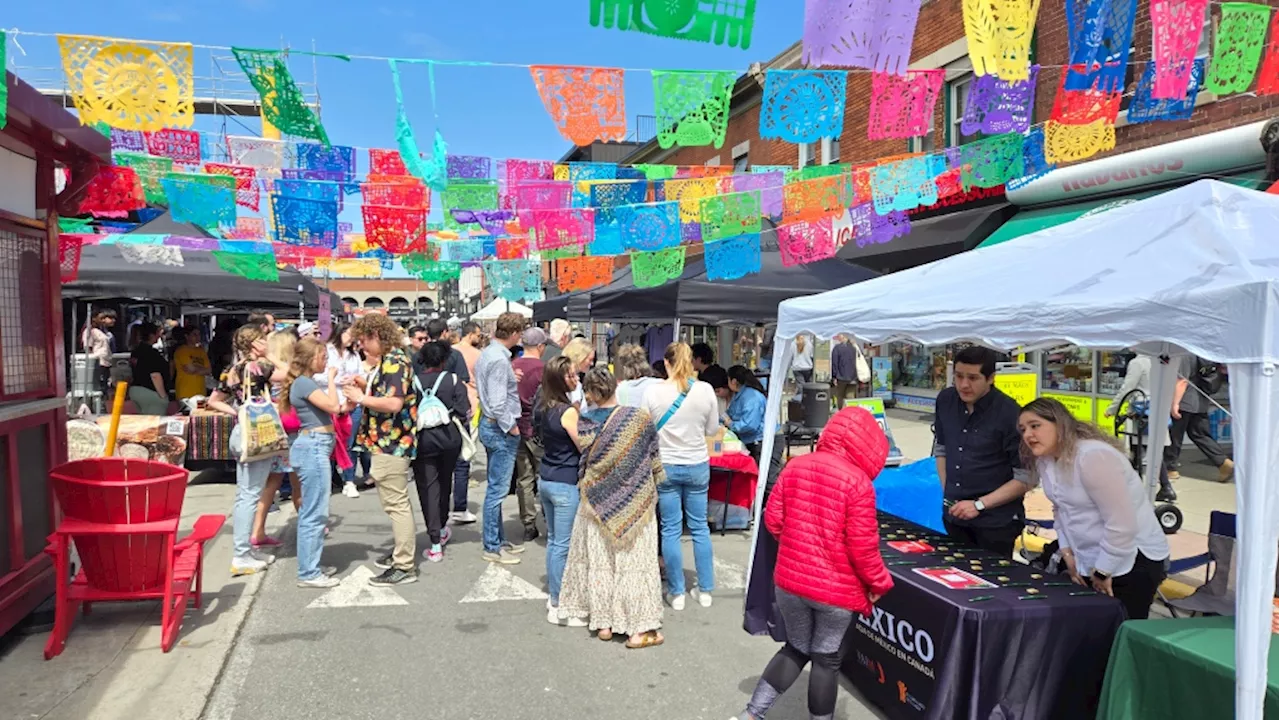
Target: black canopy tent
104, 275
576, 306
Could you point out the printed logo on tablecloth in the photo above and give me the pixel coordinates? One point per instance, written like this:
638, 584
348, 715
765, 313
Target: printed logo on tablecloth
954, 578
911, 547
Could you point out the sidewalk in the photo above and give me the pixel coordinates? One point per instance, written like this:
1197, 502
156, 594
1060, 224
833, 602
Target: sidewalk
112, 667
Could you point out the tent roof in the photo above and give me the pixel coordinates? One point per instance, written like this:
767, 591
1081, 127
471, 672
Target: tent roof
105, 274
1196, 267
164, 224
499, 306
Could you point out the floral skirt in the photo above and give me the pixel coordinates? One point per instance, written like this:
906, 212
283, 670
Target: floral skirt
618, 589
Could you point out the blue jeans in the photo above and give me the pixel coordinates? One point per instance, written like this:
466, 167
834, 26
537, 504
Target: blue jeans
560, 506
251, 478
461, 479
502, 463
683, 498
359, 459
309, 457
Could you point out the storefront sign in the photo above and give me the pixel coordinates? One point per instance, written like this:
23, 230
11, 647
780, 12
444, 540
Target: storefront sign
915, 402
974, 196
1021, 386
882, 378
1214, 153
1081, 407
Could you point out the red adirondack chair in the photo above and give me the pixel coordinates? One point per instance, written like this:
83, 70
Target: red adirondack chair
122, 517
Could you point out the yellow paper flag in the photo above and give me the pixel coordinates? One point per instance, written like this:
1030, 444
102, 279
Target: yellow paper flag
129, 85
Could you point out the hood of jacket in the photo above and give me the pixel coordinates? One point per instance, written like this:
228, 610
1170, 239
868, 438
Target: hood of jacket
854, 434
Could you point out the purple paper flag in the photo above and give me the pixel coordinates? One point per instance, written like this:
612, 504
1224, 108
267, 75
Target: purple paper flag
998, 106
770, 186
872, 34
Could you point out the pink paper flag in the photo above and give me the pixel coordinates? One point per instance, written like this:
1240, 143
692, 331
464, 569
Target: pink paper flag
1176, 26
902, 107
806, 241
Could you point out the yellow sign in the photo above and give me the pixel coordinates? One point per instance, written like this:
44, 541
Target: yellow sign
1080, 407
1021, 386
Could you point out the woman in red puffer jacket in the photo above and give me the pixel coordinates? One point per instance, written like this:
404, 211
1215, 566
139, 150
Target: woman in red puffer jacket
823, 512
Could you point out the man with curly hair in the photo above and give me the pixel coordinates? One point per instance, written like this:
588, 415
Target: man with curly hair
388, 431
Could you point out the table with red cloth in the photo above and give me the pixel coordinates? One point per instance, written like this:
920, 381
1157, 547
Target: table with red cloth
733, 480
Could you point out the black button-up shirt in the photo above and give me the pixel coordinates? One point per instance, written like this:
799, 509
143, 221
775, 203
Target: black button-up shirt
981, 451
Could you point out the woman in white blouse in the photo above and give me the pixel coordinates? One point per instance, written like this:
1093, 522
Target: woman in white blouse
1107, 528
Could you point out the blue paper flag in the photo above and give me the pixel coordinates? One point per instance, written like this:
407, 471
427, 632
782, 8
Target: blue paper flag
733, 258
649, 227
1144, 108
1035, 165
300, 221
580, 172
1099, 36
803, 106
208, 205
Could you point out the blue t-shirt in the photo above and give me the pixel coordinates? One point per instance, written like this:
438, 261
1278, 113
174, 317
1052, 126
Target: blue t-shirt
309, 415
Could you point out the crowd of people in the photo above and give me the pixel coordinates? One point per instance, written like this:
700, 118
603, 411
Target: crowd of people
614, 467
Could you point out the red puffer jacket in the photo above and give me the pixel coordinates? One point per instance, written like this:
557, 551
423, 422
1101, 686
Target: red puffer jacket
823, 512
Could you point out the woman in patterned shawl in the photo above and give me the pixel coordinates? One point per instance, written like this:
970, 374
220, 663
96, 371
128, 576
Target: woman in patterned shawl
611, 579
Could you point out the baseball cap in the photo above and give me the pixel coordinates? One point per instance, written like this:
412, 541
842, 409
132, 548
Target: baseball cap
533, 337
306, 328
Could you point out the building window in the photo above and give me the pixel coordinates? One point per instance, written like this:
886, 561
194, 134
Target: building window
741, 151
372, 303
713, 162
350, 301
398, 304
810, 154
830, 151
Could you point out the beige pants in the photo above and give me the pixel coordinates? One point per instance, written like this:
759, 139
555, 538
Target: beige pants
390, 475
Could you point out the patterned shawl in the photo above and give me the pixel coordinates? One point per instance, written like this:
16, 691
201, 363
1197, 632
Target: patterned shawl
620, 473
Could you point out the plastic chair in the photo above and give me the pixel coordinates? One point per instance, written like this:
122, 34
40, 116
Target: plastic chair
1217, 596
122, 517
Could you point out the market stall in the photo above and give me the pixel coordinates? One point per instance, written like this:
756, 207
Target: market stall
1191, 271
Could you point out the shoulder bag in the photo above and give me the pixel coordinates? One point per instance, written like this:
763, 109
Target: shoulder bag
674, 407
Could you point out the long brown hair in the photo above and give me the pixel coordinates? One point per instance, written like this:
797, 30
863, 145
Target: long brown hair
680, 360
1070, 432
555, 388
304, 357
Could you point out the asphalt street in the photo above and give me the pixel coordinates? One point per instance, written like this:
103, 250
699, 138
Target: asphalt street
470, 640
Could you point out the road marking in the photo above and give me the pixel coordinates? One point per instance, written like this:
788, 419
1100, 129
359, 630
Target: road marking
730, 576
498, 583
355, 591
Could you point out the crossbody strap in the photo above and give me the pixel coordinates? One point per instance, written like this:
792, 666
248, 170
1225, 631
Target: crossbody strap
674, 407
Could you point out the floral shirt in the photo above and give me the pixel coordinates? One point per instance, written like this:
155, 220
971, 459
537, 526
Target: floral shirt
258, 372
391, 433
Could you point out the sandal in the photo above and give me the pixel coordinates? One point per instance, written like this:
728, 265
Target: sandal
650, 639
265, 542
605, 634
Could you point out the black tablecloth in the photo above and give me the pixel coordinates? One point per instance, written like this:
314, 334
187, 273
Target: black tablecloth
1037, 647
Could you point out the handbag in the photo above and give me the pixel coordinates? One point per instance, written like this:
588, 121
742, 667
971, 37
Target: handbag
262, 433
291, 422
861, 367
468, 441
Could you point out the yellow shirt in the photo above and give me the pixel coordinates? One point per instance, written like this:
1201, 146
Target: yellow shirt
187, 384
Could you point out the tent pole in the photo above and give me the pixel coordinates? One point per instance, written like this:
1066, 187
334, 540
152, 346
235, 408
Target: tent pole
675, 330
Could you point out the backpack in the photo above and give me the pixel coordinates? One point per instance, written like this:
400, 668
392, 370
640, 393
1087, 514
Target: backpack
432, 413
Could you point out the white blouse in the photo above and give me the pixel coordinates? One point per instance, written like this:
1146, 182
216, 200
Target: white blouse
1101, 509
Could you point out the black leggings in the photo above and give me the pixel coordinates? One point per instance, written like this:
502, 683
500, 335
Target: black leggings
1136, 589
433, 477
814, 632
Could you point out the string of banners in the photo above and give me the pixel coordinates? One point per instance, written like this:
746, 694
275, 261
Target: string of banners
509, 215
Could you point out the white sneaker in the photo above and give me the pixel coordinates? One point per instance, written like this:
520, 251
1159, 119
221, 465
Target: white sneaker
265, 557
349, 489
328, 570
575, 622
676, 602
462, 517
704, 599
321, 582
248, 565
553, 616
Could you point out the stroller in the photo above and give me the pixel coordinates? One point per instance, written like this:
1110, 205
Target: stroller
1132, 424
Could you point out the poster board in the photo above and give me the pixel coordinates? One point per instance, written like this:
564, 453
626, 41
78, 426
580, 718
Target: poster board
882, 378
875, 406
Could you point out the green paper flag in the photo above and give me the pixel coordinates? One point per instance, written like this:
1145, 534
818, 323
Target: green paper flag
255, 266
651, 269
151, 170
693, 20
657, 172
433, 172
282, 103
425, 269
692, 106
1237, 46
4, 82
75, 225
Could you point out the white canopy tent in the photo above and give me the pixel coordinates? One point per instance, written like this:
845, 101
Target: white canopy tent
1192, 271
499, 306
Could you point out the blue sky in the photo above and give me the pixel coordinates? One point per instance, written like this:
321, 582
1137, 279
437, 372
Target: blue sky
483, 110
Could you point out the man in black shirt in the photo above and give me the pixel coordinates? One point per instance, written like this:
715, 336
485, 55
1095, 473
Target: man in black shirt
456, 364
976, 446
704, 358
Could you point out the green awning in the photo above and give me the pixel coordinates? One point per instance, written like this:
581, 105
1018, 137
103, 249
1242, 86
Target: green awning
1029, 221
